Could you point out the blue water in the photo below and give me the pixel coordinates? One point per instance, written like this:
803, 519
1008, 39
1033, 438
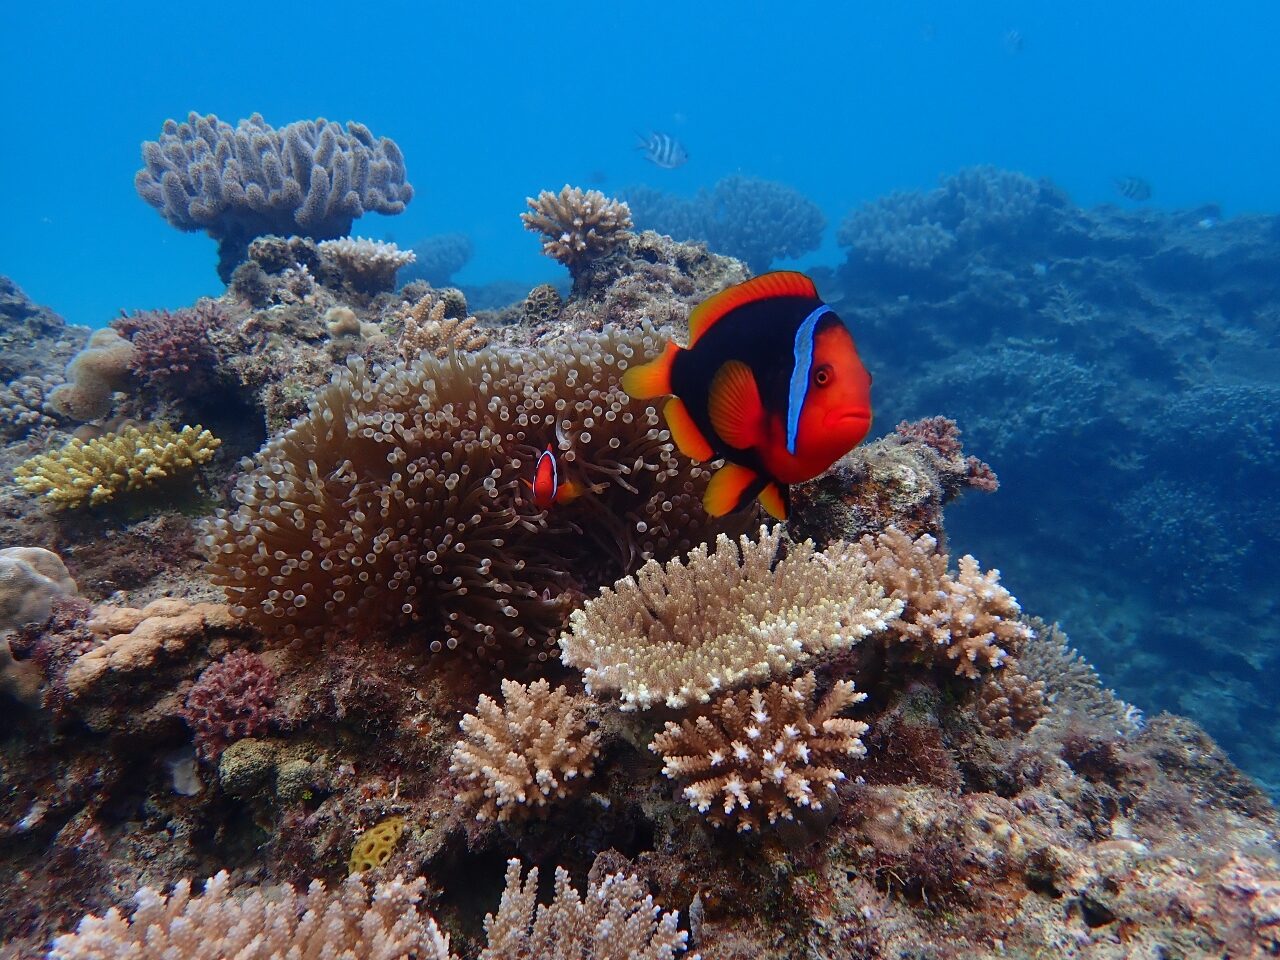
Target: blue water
492, 103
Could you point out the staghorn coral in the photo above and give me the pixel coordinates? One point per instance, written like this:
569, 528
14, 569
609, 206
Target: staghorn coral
89, 473
675, 635
759, 755
93, 376
374, 847
397, 501
231, 700
310, 177
365, 267
427, 326
577, 226
350, 922
517, 758
172, 354
967, 619
616, 920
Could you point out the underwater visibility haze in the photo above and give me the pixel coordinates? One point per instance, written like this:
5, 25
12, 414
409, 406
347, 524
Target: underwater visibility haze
563, 480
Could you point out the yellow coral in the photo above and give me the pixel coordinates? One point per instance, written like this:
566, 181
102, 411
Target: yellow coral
375, 845
95, 471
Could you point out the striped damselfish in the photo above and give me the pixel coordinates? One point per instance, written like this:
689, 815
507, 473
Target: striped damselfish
663, 149
771, 383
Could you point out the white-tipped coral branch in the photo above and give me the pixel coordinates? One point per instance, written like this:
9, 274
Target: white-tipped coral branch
577, 226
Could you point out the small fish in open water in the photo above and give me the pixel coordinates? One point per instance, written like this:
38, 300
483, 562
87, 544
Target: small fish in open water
663, 150
1133, 188
771, 382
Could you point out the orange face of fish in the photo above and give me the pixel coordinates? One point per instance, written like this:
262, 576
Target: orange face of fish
836, 414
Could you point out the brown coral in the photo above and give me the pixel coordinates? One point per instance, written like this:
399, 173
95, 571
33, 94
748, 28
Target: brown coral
518, 757
577, 226
397, 501
677, 634
966, 620
428, 326
761, 755
363, 266
94, 375
542, 305
1009, 702
616, 920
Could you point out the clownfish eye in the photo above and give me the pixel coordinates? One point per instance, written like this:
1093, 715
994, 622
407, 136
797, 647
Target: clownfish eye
823, 375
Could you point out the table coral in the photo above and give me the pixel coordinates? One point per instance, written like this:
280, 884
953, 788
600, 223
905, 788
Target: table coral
309, 177
677, 634
762, 754
93, 472
517, 758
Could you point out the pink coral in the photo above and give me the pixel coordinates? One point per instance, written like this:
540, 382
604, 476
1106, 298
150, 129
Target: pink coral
171, 351
941, 433
233, 699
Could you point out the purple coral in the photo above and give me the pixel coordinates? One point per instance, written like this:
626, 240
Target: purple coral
231, 700
171, 350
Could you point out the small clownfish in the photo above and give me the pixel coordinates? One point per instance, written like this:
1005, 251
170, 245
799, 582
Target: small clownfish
771, 382
547, 486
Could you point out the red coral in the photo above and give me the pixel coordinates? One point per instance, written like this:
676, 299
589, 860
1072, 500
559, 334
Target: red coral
232, 699
172, 352
941, 433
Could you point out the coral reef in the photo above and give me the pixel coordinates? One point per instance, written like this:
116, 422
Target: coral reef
87, 474
577, 226
23, 407
366, 267
172, 355
397, 502
433, 324
374, 847
518, 757
616, 920
352, 921
764, 754
676, 634
31, 579
312, 178
231, 700
542, 305
94, 374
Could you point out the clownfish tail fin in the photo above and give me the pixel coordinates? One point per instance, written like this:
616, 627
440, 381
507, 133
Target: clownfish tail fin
652, 379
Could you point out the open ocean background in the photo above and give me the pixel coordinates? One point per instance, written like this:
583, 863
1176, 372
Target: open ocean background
844, 102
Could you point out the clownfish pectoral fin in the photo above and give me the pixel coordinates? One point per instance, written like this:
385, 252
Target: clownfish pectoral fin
735, 407
732, 488
568, 492
652, 379
685, 432
780, 283
776, 498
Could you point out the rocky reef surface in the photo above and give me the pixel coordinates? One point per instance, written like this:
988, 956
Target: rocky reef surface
344, 652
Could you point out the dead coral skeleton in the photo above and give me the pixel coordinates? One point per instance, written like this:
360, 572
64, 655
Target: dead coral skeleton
677, 634
760, 755
519, 757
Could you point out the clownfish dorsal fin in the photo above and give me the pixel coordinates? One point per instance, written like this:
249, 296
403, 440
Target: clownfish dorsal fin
777, 500
685, 432
652, 379
735, 407
732, 488
780, 283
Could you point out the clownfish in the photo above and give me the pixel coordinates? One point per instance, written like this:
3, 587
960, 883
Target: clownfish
547, 486
771, 382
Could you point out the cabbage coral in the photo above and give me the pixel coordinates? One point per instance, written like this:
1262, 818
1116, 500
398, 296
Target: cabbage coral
401, 499
93, 472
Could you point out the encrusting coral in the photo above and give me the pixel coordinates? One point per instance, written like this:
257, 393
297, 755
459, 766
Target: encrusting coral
518, 757
965, 620
398, 500
350, 922
93, 472
676, 635
236, 183
616, 920
760, 755
577, 226
374, 847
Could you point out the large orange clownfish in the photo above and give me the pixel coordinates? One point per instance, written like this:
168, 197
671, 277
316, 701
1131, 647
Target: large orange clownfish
771, 382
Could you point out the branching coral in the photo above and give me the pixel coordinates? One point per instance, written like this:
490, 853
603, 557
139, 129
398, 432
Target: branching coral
171, 351
1071, 683
233, 699
679, 633
967, 619
1010, 702
428, 326
310, 177
760, 755
346, 923
616, 920
533, 750
365, 266
89, 473
93, 375
577, 226
398, 500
